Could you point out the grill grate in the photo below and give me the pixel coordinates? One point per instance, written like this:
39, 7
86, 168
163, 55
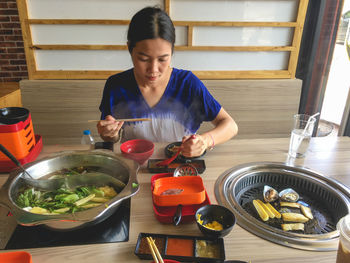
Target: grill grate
328, 200
326, 207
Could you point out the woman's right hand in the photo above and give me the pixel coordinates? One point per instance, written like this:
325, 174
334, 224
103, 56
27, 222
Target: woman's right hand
109, 128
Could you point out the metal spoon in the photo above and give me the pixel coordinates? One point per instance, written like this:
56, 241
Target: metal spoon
73, 181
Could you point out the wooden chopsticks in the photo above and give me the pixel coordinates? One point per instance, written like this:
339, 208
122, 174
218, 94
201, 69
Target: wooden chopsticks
154, 250
135, 119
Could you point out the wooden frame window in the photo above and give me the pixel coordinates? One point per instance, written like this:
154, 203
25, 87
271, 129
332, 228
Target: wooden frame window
211, 42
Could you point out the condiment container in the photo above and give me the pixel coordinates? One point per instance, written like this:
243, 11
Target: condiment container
182, 248
154, 168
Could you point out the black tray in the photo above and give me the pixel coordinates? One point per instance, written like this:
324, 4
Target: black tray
153, 168
168, 153
162, 244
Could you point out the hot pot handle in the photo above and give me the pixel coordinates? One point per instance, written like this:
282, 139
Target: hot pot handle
133, 188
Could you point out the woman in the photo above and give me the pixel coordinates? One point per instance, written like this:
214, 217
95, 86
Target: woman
175, 100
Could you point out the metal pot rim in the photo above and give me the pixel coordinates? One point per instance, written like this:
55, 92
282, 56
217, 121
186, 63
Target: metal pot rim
26, 218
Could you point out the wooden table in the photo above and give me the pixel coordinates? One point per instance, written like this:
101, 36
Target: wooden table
328, 156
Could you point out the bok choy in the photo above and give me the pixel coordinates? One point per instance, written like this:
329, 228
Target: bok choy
64, 200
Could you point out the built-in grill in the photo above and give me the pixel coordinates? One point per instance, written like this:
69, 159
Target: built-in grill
328, 199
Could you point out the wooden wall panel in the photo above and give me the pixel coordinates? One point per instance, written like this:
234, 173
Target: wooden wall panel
61, 109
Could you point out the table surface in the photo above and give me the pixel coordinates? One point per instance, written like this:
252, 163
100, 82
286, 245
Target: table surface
329, 156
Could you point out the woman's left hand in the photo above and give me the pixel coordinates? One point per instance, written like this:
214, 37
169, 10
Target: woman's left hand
193, 145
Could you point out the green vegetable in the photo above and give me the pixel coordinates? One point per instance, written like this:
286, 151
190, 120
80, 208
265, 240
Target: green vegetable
98, 192
62, 200
70, 198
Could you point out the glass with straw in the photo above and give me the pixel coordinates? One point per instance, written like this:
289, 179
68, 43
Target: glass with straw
301, 134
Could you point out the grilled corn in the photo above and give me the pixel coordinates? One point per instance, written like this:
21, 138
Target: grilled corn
273, 210
261, 211
267, 209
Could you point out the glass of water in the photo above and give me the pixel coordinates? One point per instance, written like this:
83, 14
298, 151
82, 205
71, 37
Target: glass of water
302, 130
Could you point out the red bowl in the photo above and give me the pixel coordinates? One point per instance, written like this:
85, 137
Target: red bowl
139, 150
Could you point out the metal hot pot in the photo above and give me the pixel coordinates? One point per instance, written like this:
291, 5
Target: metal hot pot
123, 169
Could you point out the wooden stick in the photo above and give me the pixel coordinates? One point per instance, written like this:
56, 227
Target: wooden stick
156, 250
135, 119
154, 255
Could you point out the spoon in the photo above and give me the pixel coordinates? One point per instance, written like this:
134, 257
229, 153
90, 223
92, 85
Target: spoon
73, 181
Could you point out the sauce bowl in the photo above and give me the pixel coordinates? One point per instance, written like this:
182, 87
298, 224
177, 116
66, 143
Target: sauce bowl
210, 213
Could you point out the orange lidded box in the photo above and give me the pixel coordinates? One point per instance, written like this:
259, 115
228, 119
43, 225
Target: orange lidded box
15, 257
173, 191
18, 138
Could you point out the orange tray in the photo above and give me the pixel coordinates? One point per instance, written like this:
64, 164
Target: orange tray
193, 191
165, 214
15, 257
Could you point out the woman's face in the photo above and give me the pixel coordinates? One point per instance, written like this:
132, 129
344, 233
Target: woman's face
151, 59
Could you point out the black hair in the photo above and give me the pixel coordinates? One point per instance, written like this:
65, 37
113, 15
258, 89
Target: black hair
150, 23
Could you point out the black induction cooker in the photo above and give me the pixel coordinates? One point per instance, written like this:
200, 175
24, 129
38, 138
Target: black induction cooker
114, 229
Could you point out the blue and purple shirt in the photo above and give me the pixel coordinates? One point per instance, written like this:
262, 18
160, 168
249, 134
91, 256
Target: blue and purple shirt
185, 104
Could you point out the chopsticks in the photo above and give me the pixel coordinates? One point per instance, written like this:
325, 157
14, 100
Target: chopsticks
135, 119
154, 250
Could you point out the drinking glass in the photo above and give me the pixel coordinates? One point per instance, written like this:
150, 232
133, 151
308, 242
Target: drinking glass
303, 127
343, 226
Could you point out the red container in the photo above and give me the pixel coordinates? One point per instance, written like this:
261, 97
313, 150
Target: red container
17, 138
139, 150
7, 165
165, 214
15, 257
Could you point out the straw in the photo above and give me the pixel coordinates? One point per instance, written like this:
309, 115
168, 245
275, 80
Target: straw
135, 119
309, 121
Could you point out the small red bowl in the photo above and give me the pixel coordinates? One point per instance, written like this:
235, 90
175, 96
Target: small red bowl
139, 150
